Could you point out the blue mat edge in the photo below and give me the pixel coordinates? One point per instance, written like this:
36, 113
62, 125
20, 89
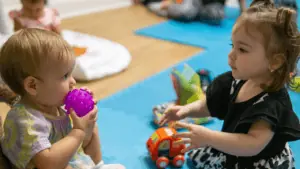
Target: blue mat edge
140, 32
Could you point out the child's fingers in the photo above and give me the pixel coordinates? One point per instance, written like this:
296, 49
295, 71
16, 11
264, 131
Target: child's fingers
95, 117
189, 148
171, 109
168, 110
73, 114
92, 123
163, 120
182, 141
165, 116
93, 113
84, 88
87, 89
184, 125
183, 135
95, 101
172, 124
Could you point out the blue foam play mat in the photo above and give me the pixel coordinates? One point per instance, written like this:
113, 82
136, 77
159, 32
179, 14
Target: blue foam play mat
125, 118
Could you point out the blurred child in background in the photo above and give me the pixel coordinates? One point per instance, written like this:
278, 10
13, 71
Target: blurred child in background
35, 14
211, 11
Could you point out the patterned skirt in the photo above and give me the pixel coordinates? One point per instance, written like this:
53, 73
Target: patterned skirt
209, 158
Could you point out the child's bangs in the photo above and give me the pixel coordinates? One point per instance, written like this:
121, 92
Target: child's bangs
61, 51
256, 28
246, 23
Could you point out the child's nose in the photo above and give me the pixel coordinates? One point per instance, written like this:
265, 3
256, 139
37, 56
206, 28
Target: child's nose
232, 55
72, 82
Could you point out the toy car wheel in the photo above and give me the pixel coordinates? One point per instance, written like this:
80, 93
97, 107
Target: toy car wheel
162, 162
178, 161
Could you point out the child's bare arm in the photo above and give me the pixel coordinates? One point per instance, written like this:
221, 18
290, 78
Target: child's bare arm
197, 109
259, 135
88, 135
93, 148
59, 155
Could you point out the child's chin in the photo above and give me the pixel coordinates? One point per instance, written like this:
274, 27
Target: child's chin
237, 75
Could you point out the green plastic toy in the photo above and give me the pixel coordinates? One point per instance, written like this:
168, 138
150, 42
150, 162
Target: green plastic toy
188, 89
295, 85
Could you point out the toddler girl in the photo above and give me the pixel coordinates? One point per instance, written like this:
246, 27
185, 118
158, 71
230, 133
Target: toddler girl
259, 120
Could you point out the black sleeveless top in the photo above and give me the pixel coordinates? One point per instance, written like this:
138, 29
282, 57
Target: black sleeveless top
274, 108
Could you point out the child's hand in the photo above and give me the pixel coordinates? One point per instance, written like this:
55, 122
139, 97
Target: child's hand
88, 90
197, 136
173, 113
84, 122
90, 128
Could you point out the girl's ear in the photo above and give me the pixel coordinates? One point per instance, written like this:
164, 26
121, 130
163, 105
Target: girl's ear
31, 85
276, 62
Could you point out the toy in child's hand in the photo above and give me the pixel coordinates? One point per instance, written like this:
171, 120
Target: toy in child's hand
159, 110
188, 88
161, 148
80, 100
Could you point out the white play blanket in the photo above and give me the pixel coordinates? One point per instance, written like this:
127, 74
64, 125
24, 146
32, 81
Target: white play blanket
102, 58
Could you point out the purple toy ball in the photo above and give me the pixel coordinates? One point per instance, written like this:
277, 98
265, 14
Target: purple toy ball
80, 101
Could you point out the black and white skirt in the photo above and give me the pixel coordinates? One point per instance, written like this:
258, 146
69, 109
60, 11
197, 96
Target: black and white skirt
208, 158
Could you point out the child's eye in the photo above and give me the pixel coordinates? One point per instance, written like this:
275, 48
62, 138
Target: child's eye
231, 45
66, 76
243, 50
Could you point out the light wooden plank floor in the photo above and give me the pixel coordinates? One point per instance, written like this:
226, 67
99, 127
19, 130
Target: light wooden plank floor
149, 56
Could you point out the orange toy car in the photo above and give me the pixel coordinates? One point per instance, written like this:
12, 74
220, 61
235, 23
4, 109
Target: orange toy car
161, 148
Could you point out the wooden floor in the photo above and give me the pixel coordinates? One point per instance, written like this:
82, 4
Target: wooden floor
149, 56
